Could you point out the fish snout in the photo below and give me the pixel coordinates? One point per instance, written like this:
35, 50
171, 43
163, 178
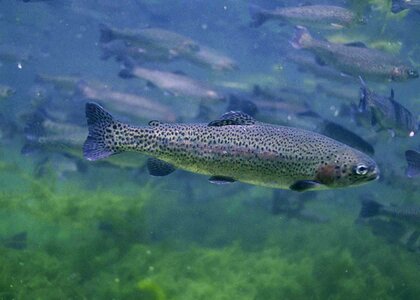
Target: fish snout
413, 74
374, 173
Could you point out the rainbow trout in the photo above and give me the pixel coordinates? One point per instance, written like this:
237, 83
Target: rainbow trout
233, 148
315, 15
354, 59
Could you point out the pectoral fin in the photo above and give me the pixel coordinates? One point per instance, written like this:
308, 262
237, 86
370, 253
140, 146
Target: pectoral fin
221, 180
159, 167
304, 185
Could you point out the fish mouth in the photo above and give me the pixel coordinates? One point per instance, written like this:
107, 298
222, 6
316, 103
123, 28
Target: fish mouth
374, 175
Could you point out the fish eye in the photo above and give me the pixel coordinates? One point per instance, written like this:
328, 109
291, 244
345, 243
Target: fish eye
361, 169
413, 73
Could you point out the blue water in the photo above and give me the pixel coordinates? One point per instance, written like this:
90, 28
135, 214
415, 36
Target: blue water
75, 229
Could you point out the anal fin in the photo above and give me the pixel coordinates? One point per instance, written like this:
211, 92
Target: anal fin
304, 185
159, 167
221, 179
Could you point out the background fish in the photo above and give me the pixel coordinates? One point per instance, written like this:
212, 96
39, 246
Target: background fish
371, 208
176, 84
354, 59
388, 114
400, 5
326, 15
151, 39
235, 147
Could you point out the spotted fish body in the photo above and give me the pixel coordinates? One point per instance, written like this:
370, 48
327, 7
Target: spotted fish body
355, 59
333, 16
232, 149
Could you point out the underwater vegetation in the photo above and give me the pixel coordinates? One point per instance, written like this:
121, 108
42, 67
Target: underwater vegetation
139, 245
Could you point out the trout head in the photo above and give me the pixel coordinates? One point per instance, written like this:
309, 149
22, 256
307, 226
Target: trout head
349, 168
403, 73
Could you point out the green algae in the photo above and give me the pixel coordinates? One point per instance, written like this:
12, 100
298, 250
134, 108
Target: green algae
157, 245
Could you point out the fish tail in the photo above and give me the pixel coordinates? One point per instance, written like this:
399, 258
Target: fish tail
370, 208
301, 38
106, 33
397, 6
104, 133
413, 161
258, 15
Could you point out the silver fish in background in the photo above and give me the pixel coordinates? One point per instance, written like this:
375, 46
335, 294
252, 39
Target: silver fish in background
233, 148
400, 5
387, 114
413, 161
128, 104
212, 59
119, 49
65, 84
151, 39
355, 59
315, 15
6, 92
407, 213
308, 63
204, 57
176, 84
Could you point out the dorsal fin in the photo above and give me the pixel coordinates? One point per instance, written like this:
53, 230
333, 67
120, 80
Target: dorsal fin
392, 94
356, 44
233, 118
154, 123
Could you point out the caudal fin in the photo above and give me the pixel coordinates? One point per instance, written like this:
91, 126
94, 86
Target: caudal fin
301, 38
370, 208
258, 15
100, 142
413, 161
397, 6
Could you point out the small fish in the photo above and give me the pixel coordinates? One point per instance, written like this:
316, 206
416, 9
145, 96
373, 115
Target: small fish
339, 133
354, 59
176, 84
209, 58
234, 147
400, 5
371, 208
151, 39
128, 104
120, 50
386, 113
315, 15
413, 162
64, 83
6, 92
